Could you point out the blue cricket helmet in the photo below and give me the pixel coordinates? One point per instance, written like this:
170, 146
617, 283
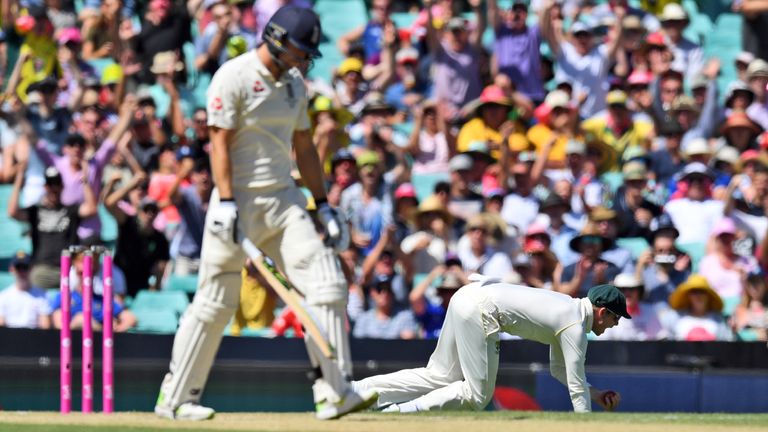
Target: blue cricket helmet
299, 26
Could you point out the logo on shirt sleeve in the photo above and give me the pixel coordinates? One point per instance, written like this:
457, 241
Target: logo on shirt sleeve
258, 87
216, 104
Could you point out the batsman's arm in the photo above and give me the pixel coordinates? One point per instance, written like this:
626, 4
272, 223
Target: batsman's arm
221, 163
308, 163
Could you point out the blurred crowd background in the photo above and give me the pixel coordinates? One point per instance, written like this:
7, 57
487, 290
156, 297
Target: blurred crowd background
554, 144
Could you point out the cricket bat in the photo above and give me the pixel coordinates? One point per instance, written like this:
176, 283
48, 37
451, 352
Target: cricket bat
290, 296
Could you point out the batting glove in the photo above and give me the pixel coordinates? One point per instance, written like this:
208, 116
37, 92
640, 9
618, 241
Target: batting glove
336, 230
222, 221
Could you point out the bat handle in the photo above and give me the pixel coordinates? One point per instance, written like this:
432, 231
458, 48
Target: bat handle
253, 252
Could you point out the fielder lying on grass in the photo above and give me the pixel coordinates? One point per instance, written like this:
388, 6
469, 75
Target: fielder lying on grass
461, 373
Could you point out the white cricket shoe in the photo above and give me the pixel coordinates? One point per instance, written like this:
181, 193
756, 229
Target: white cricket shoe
185, 411
351, 402
394, 408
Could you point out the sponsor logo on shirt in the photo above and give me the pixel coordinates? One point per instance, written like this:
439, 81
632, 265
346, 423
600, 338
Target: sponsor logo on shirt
216, 104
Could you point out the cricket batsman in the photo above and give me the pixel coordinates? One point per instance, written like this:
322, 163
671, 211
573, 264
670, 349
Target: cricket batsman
461, 373
257, 114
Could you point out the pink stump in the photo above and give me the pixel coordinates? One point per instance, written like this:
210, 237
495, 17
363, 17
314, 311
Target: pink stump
65, 346
87, 286
107, 342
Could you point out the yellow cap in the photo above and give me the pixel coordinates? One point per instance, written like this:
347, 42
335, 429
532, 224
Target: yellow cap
616, 97
350, 64
112, 74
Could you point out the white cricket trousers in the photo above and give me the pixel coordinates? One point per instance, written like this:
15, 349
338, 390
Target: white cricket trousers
278, 224
461, 373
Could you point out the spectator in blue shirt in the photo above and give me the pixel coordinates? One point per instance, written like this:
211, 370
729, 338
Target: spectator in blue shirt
431, 316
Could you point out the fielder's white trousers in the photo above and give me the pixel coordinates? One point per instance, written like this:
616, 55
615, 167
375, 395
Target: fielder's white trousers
461, 373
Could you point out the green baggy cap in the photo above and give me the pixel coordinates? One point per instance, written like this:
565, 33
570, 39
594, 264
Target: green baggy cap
610, 297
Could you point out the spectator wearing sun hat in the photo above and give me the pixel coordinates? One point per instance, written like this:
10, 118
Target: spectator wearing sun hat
699, 311
688, 56
490, 124
429, 246
740, 131
557, 117
577, 278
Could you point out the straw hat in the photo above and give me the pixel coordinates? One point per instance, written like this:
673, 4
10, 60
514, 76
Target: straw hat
740, 119
433, 204
678, 300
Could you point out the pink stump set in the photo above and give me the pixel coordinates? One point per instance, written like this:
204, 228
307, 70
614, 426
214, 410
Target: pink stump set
66, 333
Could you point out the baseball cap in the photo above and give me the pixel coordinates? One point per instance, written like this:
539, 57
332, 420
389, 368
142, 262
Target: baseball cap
460, 162
640, 78
580, 27
368, 157
69, 35
111, 74
627, 280
405, 190
21, 259
457, 23
147, 203
351, 64
381, 282
342, 155
450, 282
575, 147
52, 177
695, 168
557, 99
697, 146
609, 297
406, 55
673, 12
634, 170
616, 97
745, 57
725, 225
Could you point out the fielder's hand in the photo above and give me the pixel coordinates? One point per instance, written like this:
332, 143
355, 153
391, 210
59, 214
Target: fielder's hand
222, 221
336, 230
608, 399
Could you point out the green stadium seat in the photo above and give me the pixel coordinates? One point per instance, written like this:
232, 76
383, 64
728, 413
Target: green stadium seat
187, 284
425, 183
613, 180
174, 301
636, 245
6, 279
155, 321
696, 251
13, 238
403, 19
108, 225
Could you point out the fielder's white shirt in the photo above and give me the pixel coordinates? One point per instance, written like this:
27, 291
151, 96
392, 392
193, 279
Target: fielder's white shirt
549, 317
244, 97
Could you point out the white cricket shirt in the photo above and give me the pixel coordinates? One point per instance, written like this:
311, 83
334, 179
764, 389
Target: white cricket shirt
549, 317
244, 97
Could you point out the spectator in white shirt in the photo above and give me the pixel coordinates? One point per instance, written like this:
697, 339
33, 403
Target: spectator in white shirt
695, 212
21, 304
689, 57
645, 323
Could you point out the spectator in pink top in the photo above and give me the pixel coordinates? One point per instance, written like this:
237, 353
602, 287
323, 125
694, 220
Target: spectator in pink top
74, 172
430, 144
726, 271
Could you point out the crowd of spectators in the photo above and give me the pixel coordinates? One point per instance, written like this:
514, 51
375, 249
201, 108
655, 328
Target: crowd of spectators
586, 143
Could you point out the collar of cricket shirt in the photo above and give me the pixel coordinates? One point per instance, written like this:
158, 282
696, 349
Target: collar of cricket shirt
589, 316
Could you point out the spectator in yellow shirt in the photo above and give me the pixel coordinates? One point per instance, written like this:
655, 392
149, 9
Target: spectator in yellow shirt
257, 302
490, 111
37, 55
557, 121
617, 128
